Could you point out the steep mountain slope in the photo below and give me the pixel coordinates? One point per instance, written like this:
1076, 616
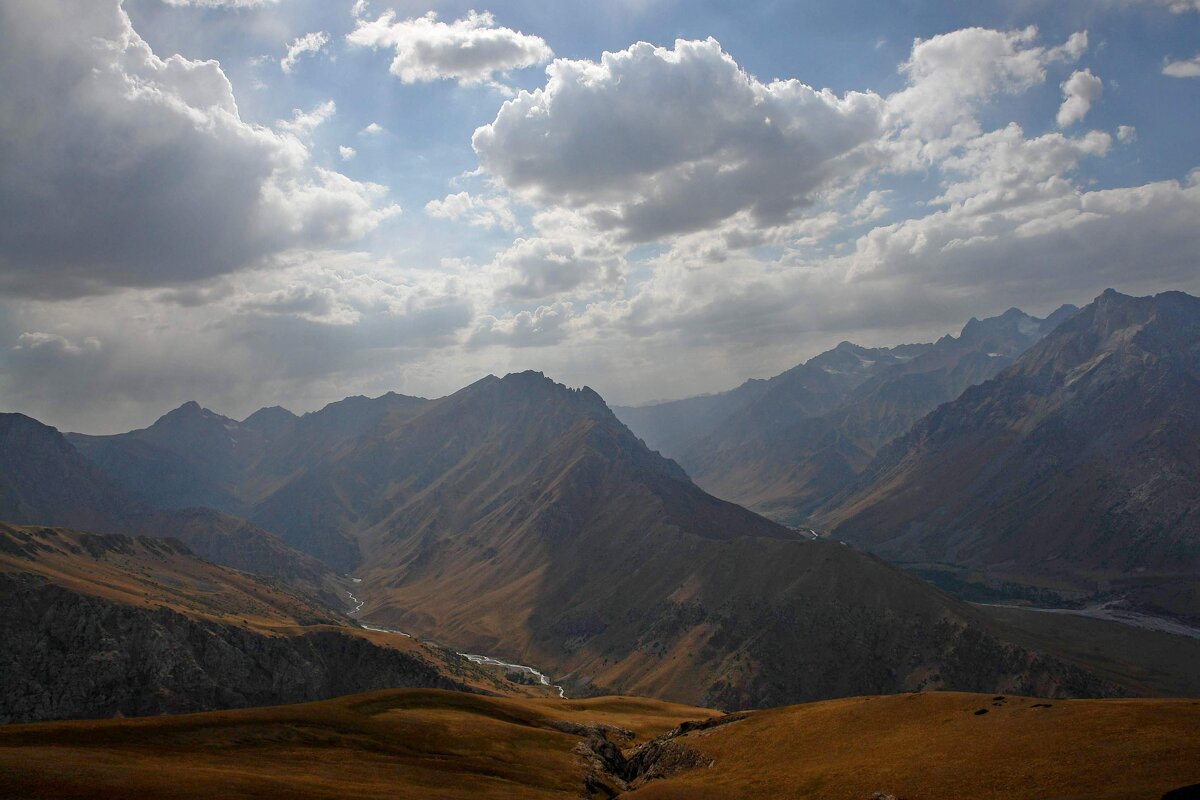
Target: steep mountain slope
1078, 464
783, 453
45, 481
233, 542
451, 746
189, 457
105, 625
815, 387
521, 518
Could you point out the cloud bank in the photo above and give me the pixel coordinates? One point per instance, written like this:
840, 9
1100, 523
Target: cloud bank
125, 169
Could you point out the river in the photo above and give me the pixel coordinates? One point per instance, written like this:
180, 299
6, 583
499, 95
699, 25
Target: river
472, 657
1110, 613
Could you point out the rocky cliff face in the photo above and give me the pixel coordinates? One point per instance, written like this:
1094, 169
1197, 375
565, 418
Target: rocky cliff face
72, 656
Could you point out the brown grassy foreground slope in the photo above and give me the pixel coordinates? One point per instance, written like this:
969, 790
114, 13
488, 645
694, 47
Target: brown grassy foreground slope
407, 743
937, 746
430, 744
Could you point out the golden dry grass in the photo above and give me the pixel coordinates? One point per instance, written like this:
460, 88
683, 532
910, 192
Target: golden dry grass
150, 574
435, 744
392, 744
934, 746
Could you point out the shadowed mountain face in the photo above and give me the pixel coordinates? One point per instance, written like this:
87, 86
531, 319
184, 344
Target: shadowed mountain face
44, 480
195, 457
1077, 464
785, 445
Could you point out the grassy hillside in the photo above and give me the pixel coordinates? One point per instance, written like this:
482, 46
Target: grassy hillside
102, 626
410, 743
433, 744
939, 746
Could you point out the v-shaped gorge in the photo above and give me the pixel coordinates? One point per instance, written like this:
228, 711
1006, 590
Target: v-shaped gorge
521, 518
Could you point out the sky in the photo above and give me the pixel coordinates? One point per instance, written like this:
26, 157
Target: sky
258, 202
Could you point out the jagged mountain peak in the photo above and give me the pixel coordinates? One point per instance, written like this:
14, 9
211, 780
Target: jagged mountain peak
270, 412
1057, 316
1165, 325
532, 386
1012, 323
191, 412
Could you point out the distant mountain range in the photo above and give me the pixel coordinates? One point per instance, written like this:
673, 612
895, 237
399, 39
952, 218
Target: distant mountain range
520, 518
1054, 459
44, 480
1077, 467
784, 446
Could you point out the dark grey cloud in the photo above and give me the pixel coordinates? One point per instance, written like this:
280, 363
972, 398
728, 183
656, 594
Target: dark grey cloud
120, 168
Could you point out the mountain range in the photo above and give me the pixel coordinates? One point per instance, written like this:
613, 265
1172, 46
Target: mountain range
523, 519
45, 480
1076, 467
785, 445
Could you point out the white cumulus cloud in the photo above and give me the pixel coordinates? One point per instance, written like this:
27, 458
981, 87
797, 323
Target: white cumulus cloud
471, 50
1184, 68
544, 326
951, 75
651, 141
1079, 92
303, 122
484, 212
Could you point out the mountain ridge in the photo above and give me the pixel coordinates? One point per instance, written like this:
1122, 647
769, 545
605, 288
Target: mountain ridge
1034, 478
785, 445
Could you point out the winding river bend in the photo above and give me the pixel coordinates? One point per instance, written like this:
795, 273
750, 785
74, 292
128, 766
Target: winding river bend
495, 662
474, 658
